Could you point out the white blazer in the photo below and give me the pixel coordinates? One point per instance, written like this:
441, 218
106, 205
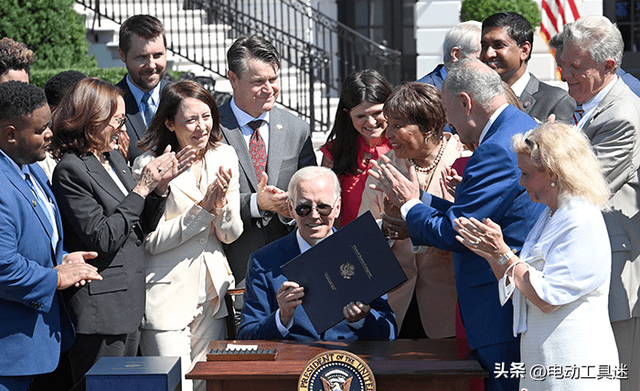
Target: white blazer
187, 236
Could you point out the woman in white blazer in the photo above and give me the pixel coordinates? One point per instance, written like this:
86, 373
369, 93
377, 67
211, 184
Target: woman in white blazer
187, 274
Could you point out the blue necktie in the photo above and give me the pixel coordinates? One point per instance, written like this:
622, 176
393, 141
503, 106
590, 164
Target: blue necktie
148, 109
43, 208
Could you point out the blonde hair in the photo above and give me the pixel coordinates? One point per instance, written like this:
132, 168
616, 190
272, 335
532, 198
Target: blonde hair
566, 152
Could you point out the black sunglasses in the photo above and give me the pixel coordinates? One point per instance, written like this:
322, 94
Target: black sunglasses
303, 210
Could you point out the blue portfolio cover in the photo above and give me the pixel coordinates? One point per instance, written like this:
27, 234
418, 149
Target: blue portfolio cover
354, 264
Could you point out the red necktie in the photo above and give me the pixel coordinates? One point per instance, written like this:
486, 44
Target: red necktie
257, 149
578, 114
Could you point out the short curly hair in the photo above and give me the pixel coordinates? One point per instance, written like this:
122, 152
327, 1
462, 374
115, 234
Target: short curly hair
19, 100
58, 84
15, 55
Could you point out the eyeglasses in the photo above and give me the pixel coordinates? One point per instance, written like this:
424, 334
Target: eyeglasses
121, 122
303, 210
531, 144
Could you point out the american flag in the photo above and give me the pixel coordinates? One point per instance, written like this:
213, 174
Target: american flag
555, 14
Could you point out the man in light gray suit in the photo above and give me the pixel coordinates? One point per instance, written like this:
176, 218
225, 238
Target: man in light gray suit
610, 117
271, 144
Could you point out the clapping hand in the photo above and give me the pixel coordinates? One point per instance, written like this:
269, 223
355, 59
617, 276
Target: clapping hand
482, 237
392, 222
271, 198
74, 271
449, 179
216, 195
184, 158
398, 188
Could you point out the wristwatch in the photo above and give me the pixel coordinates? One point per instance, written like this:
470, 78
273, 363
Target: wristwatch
504, 258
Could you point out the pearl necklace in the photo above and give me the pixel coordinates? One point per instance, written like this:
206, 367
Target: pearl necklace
432, 165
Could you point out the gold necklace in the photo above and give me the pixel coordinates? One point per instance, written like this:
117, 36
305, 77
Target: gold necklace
433, 165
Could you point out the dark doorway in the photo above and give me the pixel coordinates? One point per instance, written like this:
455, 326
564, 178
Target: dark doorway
626, 15
387, 22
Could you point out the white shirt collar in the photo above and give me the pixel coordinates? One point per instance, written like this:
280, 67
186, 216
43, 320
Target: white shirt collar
590, 106
244, 118
518, 86
304, 246
138, 93
495, 115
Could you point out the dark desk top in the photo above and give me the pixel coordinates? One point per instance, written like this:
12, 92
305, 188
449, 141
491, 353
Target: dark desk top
432, 358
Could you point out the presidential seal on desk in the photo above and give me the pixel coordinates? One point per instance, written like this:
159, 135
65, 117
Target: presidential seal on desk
336, 370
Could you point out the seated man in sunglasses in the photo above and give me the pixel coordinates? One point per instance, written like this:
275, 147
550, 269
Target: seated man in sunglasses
271, 302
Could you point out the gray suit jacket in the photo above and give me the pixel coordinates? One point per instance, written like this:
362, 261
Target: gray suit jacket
614, 131
540, 99
135, 122
289, 149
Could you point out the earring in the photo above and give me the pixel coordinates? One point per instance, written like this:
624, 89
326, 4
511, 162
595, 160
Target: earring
553, 184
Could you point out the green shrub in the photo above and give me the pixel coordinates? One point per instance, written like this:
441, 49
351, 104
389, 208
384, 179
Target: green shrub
51, 28
481, 9
39, 77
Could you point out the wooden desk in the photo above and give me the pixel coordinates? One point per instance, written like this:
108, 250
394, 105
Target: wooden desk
397, 365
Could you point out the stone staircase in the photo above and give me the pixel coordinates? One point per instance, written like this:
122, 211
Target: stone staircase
103, 39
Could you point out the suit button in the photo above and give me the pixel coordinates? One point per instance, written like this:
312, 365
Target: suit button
138, 242
201, 241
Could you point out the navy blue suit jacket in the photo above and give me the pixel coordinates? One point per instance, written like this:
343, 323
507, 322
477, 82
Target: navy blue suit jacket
264, 278
435, 77
489, 188
629, 80
34, 324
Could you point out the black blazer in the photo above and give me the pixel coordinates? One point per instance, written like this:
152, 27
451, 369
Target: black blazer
97, 216
135, 122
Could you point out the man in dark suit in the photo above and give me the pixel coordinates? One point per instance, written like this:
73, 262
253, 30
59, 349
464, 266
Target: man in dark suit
507, 41
610, 118
268, 155
35, 327
272, 304
477, 108
462, 41
143, 49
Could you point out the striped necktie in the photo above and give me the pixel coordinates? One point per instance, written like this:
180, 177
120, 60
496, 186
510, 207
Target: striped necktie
578, 114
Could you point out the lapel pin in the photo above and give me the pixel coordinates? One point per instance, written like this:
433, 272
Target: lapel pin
526, 104
34, 203
279, 126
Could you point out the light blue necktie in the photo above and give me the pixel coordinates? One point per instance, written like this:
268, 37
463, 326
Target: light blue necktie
148, 108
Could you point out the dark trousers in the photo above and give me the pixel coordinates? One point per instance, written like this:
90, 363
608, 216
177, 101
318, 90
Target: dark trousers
88, 348
504, 353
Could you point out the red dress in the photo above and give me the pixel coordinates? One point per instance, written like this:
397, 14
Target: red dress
353, 185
